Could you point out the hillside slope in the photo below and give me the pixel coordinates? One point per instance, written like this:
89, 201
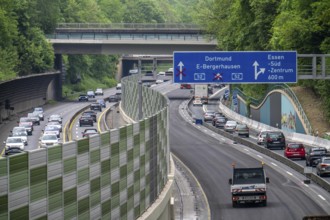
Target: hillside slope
312, 106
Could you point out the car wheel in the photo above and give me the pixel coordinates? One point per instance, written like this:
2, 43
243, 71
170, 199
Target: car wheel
307, 164
264, 203
247, 135
235, 204
79, 125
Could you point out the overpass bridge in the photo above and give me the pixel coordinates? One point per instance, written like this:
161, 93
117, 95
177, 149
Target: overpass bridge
153, 39
158, 41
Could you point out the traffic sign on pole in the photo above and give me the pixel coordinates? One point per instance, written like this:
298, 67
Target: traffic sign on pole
235, 67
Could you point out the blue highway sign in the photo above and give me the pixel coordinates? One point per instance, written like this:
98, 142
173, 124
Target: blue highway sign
235, 67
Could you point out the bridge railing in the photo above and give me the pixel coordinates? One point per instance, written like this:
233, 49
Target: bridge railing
153, 37
129, 26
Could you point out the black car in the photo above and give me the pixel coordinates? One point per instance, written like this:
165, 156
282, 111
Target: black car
314, 155
113, 98
274, 139
86, 120
91, 113
83, 97
96, 106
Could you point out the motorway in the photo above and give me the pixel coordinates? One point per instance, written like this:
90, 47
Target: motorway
209, 156
65, 109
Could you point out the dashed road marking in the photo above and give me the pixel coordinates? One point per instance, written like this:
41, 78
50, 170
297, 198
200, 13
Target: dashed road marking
274, 164
322, 197
246, 149
305, 184
289, 173
205, 130
213, 134
259, 156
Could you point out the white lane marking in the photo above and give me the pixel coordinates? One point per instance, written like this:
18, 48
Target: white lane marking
213, 134
259, 156
205, 130
199, 127
255, 138
322, 197
274, 164
289, 173
246, 149
305, 184
223, 139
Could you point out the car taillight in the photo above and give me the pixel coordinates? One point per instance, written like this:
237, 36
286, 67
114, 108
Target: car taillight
263, 197
323, 165
235, 198
269, 140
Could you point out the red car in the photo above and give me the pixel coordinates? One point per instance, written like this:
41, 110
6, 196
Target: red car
294, 150
185, 86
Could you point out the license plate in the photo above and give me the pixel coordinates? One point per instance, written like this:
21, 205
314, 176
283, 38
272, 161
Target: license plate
249, 197
276, 142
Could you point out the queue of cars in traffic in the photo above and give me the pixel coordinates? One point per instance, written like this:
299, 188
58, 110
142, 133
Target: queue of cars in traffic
18, 139
317, 157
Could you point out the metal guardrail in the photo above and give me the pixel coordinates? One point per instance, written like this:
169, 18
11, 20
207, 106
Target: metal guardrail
173, 26
288, 91
306, 139
313, 66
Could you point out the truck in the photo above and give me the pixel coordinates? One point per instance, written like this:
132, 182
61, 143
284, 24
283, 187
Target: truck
248, 185
201, 92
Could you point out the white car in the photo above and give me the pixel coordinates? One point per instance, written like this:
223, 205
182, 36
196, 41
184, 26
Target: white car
52, 129
118, 87
230, 126
56, 124
39, 112
99, 91
20, 132
261, 137
56, 117
48, 140
162, 73
159, 81
14, 142
197, 102
90, 94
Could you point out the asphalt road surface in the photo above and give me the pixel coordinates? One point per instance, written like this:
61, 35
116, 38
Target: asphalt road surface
210, 157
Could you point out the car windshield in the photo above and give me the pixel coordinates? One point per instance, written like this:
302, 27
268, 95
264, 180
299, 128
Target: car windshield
18, 130
252, 176
14, 140
90, 131
327, 160
295, 146
231, 122
241, 126
25, 119
25, 125
48, 137
51, 128
275, 135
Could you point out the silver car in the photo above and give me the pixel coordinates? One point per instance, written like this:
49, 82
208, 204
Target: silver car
14, 142
323, 167
230, 126
20, 132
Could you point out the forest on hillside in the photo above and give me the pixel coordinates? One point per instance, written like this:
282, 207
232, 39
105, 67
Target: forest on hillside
238, 25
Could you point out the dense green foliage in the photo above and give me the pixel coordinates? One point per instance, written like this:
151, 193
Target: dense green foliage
238, 25
301, 25
23, 24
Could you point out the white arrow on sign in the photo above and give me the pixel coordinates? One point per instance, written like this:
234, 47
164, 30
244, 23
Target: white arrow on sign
256, 73
180, 65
